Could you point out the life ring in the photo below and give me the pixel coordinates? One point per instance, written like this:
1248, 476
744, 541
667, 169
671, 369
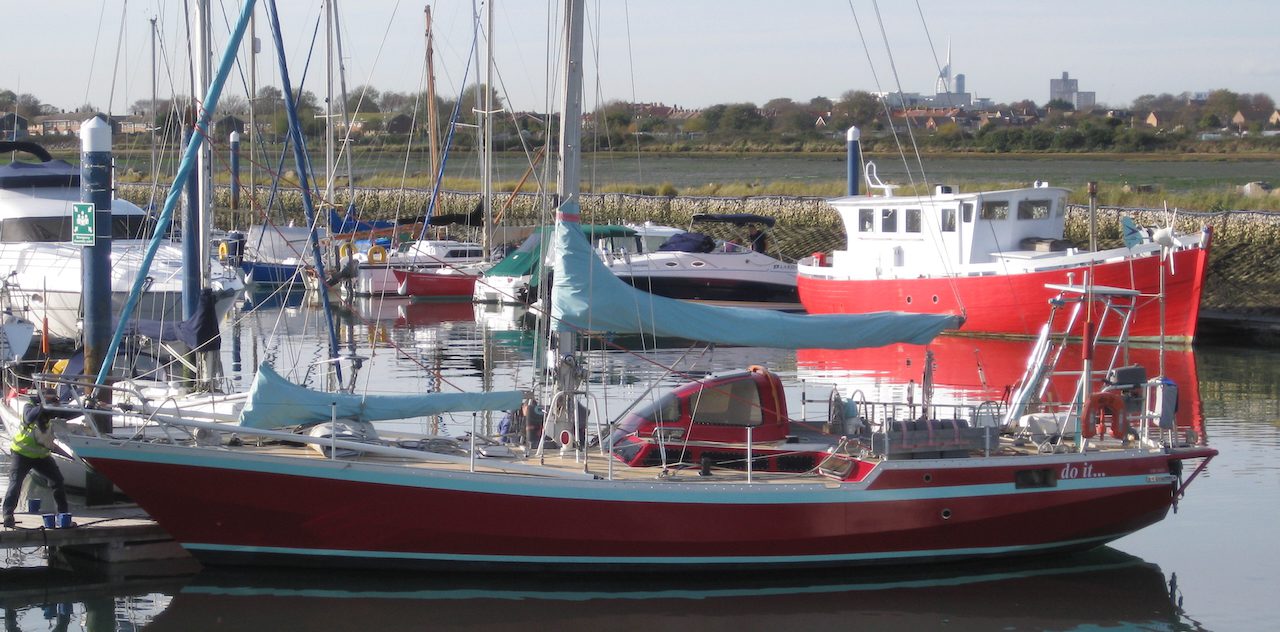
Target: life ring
377, 255
346, 250
223, 251
1092, 420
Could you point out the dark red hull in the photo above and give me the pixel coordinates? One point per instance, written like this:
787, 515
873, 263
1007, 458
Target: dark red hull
230, 507
435, 284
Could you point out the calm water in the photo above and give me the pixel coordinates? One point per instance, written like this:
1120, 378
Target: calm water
1214, 565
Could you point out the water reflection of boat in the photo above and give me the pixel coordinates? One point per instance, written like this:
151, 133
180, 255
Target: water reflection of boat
428, 313
1029, 595
261, 297
503, 317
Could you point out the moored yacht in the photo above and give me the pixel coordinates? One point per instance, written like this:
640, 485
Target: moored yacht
694, 266
41, 266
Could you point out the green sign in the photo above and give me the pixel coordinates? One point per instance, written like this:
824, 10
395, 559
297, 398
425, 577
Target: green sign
83, 230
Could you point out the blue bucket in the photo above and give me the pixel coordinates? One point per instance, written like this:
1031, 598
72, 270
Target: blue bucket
33, 505
48, 521
64, 521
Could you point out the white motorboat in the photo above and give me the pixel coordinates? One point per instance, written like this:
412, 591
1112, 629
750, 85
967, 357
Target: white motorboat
42, 267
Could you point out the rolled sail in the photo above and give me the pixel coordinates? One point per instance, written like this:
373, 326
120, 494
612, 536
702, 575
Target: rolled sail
275, 402
587, 296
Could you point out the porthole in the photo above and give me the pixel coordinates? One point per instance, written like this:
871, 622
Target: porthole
928, 478
935, 299
908, 300
946, 514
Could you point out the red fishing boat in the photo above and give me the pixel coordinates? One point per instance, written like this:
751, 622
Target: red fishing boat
990, 255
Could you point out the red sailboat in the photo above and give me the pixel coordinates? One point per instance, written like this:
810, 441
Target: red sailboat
713, 475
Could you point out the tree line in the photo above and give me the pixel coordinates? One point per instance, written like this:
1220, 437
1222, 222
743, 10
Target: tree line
779, 124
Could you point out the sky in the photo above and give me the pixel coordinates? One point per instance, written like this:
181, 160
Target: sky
690, 53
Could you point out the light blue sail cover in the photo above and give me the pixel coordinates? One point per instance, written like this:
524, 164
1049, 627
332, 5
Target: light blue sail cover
275, 402
587, 296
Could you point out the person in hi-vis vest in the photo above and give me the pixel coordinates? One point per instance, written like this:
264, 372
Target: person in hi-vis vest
32, 449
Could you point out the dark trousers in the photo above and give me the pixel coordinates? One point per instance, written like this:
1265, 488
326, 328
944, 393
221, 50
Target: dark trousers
19, 467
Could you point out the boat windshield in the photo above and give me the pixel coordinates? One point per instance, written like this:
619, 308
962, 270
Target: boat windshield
54, 229
665, 409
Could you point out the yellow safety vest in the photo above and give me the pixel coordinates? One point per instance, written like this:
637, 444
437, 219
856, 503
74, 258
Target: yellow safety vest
27, 442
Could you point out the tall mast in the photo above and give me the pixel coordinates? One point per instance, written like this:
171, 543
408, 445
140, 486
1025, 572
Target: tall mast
432, 141
346, 118
487, 175
328, 102
197, 221
253, 97
206, 148
567, 373
571, 107
155, 171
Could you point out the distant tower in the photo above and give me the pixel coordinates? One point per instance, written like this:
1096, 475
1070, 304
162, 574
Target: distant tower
943, 85
1064, 89
960, 83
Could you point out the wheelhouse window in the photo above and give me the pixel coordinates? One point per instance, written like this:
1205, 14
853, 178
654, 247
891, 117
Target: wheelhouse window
913, 220
734, 404
866, 220
1059, 209
889, 220
967, 212
1033, 209
948, 220
995, 209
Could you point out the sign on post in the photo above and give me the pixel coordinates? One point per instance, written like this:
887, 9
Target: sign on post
83, 229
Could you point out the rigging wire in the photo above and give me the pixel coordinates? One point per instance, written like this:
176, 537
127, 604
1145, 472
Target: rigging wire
923, 198
934, 52
121, 41
631, 74
93, 59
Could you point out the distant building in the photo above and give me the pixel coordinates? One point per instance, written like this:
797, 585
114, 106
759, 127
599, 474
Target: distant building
1063, 89
13, 126
1068, 89
1160, 120
947, 93
227, 124
399, 124
1239, 120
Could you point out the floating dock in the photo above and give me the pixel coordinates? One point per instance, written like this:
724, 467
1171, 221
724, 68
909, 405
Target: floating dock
116, 533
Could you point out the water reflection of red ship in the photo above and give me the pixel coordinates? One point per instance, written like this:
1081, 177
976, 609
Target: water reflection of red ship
981, 369
427, 313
